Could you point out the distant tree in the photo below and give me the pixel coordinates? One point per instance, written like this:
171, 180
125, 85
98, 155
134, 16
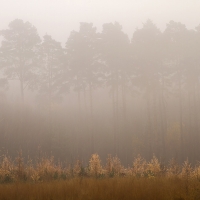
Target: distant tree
19, 51
82, 57
3, 87
50, 82
50, 78
176, 39
115, 54
149, 77
191, 75
3, 79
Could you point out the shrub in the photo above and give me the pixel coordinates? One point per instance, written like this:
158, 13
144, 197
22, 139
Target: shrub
95, 167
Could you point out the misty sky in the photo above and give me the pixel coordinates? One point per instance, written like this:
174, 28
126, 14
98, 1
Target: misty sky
59, 17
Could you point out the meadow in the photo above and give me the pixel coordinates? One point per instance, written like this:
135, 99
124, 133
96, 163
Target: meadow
45, 178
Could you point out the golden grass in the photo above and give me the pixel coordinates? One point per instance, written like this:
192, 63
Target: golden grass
143, 180
126, 188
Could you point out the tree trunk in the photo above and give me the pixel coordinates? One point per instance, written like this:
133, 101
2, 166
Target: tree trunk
91, 119
22, 90
79, 125
117, 114
196, 120
124, 126
114, 115
163, 118
149, 131
162, 127
181, 116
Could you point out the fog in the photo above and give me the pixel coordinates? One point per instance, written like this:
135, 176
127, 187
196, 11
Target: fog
107, 77
59, 18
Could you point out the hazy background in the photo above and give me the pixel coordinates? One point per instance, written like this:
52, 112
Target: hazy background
107, 118
59, 18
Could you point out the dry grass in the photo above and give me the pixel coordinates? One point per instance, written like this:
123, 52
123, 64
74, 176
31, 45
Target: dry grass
143, 180
99, 189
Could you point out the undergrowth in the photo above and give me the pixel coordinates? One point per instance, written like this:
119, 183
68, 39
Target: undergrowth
46, 179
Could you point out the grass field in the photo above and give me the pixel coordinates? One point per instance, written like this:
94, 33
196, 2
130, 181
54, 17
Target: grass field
46, 180
103, 189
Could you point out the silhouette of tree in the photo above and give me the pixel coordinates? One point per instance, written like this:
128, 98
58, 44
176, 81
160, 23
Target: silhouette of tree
190, 81
50, 82
50, 74
116, 56
19, 50
3, 87
176, 36
150, 79
82, 55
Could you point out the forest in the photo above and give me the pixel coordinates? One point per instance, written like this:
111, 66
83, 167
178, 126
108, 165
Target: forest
101, 92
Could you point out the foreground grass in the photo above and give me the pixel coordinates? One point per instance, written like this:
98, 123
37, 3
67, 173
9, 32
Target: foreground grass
103, 189
46, 180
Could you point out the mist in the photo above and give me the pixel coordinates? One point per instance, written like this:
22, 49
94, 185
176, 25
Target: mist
85, 77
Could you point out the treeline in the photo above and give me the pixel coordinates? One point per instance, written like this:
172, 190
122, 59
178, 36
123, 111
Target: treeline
103, 92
